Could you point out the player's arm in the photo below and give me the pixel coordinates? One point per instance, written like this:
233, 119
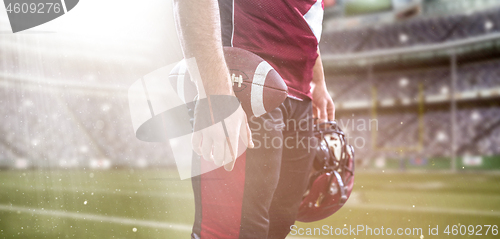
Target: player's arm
198, 26
199, 30
323, 106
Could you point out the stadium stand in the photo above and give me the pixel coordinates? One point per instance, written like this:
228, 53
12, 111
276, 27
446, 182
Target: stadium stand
52, 130
404, 84
418, 31
397, 134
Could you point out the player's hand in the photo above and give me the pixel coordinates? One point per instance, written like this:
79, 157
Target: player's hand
222, 142
323, 106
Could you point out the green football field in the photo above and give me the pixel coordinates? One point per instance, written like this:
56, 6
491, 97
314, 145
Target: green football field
155, 204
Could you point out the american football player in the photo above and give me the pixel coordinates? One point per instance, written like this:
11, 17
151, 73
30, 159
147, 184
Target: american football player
258, 194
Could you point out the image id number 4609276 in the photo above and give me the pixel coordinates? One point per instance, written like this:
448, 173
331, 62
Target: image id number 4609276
35, 8
471, 230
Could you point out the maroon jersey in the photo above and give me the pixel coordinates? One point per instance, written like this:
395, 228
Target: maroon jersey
283, 32
261, 196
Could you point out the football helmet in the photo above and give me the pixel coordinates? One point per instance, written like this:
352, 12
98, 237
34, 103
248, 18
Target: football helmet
332, 176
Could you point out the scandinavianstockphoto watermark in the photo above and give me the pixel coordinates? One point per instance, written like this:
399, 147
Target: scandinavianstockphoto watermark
366, 230
296, 140
165, 105
355, 230
355, 126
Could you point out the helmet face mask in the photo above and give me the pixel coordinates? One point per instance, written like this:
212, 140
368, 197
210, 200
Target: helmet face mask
334, 143
332, 176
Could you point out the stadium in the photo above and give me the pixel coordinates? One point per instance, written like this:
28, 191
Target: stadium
416, 85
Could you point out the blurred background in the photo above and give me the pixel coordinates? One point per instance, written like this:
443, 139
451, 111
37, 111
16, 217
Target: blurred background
416, 84
425, 73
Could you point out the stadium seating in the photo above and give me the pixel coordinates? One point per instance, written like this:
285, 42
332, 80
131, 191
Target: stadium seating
49, 128
399, 85
478, 128
419, 31
397, 135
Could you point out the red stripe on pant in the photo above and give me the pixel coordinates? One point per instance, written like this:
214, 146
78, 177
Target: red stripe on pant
222, 200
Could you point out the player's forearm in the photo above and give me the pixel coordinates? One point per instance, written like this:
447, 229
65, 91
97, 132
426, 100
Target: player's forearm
198, 27
318, 73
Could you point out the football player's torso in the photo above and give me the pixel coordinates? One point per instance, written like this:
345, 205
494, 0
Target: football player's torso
277, 30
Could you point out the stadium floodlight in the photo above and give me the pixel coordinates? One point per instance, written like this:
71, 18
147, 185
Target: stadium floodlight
35, 142
21, 164
403, 38
441, 136
84, 149
444, 90
141, 163
27, 103
105, 107
488, 25
100, 163
403, 82
475, 116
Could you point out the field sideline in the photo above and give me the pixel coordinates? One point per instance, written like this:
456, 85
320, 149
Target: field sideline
155, 204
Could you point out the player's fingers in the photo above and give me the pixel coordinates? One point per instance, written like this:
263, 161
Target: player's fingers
315, 112
322, 112
231, 144
331, 110
219, 152
229, 161
246, 133
206, 148
229, 166
196, 140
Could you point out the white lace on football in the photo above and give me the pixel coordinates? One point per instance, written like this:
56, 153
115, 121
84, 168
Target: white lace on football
237, 79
